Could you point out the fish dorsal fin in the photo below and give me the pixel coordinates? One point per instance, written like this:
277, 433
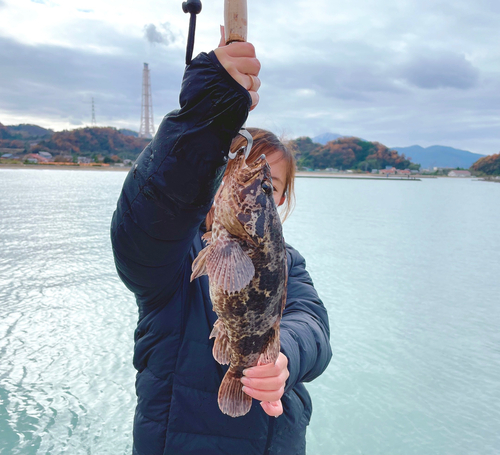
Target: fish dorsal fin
228, 266
221, 350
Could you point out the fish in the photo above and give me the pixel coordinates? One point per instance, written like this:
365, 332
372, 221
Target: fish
245, 261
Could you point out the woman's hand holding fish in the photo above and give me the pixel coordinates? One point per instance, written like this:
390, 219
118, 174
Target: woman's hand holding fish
240, 61
267, 384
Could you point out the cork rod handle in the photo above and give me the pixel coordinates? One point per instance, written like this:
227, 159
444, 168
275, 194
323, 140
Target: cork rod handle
235, 20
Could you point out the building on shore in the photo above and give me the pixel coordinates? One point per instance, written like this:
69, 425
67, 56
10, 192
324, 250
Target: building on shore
459, 174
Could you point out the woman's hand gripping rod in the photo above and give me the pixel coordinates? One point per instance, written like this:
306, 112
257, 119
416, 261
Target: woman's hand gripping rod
235, 29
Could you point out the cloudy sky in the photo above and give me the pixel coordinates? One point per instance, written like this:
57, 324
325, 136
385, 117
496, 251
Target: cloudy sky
400, 72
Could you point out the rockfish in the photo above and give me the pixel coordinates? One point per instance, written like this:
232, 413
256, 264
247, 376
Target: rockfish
245, 261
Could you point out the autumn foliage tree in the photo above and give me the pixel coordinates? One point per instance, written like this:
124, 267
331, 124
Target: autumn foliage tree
87, 141
489, 165
4, 133
8, 140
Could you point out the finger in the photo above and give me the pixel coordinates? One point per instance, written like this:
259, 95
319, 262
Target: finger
249, 65
262, 371
255, 100
273, 383
254, 83
273, 409
222, 41
245, 66
241, 49
264, 395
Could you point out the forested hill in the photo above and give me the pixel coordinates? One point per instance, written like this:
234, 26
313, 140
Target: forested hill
105, 141
29, 131
489, 165
348, 153
88, 141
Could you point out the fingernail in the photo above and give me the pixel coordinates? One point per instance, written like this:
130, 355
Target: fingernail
244, 372
244, 380
244, 389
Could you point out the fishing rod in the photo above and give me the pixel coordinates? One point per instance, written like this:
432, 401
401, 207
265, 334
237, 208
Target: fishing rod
235, 30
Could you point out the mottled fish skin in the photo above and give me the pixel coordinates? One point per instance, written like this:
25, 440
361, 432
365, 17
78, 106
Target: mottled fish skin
248, 326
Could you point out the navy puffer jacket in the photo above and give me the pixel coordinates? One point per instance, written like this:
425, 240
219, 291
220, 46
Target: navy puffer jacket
156, 234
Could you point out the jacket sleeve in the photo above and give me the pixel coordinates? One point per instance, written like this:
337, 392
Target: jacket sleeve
171, 186
304, 329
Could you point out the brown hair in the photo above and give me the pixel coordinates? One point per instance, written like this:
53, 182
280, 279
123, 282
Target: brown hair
266, 143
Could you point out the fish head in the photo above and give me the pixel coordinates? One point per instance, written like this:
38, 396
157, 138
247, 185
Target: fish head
249, 193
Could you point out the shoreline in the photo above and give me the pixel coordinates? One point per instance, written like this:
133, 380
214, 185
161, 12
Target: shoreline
299, 174
65, 167
330, 175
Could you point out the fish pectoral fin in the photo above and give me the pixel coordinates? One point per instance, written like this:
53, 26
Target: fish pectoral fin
199, 266
228, 266
270, 355
221, 350
232, 400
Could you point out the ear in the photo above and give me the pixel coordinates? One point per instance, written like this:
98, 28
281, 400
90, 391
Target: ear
282, 200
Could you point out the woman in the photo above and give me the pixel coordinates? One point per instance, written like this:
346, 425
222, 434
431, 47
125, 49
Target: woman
156, 234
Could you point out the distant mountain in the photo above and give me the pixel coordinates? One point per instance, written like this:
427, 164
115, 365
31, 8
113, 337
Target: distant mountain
28, 131
324, 138
439, 156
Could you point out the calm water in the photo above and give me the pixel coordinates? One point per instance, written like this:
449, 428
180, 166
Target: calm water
409, 271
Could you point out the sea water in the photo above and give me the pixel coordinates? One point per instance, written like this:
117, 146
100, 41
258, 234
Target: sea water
408, 270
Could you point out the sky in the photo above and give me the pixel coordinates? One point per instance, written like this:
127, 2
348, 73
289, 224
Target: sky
400, 72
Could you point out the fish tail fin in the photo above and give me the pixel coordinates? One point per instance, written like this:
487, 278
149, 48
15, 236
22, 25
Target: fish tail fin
232, 400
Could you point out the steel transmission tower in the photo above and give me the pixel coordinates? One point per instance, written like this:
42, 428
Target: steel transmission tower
147, 128
94, 123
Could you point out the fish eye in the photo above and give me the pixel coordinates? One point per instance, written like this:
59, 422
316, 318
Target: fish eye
267, 188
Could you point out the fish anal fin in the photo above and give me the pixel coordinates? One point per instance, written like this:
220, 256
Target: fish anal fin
228, 266
270, 355
221, 350
232, 400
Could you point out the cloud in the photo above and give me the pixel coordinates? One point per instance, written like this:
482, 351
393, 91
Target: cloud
441, 70
421, 72
56, 84
156, 36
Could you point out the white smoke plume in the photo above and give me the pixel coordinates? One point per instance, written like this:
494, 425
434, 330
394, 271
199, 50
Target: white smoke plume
161, 35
